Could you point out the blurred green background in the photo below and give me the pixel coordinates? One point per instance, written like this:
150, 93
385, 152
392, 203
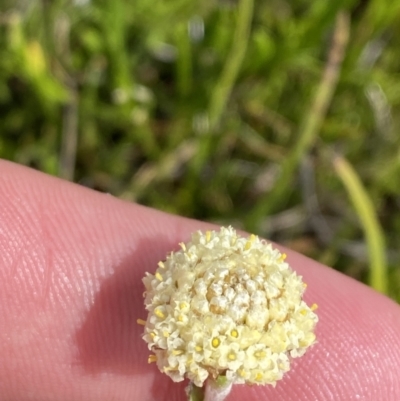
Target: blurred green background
278, 117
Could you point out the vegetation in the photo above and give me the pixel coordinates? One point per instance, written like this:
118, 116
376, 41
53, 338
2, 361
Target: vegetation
279, 117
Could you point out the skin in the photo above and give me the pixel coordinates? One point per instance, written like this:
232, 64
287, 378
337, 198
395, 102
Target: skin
71, 264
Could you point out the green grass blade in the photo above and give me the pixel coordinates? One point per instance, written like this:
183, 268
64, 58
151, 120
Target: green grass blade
223, 88
226, 81
365, 210
309, 128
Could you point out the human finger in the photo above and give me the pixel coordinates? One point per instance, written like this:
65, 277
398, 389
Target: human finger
71, 266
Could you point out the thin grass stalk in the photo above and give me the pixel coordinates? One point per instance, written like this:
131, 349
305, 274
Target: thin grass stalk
373, 231
69, 137
184, 69
223, 88
234, 60
309, 128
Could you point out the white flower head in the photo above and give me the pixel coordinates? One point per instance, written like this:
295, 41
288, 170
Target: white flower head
226, 305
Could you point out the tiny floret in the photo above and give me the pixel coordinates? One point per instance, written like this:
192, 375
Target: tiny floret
226, 305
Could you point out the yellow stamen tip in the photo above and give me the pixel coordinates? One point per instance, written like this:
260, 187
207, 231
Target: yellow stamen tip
215, 342
314, 307
141, 322
234, 333
259, 354
152, 358
158, 313
159, 276
208, 236
282, 257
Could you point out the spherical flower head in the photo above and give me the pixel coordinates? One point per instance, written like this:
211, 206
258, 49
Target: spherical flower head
226, 305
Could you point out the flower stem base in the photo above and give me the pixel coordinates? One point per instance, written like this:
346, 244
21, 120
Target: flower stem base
215, 390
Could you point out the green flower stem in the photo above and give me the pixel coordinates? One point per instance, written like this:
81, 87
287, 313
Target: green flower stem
215, 390
195, 393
